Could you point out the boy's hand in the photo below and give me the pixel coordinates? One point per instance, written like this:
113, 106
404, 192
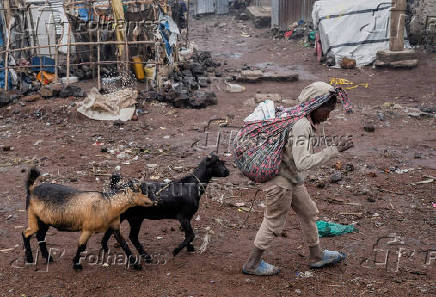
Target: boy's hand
345, 144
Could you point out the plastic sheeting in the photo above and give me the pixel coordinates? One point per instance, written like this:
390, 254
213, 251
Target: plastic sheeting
354, 29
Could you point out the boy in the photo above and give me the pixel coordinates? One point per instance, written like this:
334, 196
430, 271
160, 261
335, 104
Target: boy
287, 190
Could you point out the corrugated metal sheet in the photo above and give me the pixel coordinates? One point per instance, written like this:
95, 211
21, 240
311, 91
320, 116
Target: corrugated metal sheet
222, 6
205, 6
285, 12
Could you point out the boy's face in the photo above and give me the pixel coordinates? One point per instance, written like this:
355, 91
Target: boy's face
321, 114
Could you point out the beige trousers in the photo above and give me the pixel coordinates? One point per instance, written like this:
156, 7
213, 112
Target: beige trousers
278, 203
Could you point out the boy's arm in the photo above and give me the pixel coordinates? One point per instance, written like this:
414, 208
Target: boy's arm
303, 158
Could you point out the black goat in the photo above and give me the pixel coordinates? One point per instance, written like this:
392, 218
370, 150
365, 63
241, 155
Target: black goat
177, 200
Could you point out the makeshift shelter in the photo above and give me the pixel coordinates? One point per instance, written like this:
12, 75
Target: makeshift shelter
87, 39
353, 29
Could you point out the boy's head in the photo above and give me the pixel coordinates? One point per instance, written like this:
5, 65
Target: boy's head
322, 113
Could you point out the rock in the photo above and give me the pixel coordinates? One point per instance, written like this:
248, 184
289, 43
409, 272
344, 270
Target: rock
71, 90
336, 177
201, 99
202, 82
187, 73
32, 98
51, 90
118, 123
262, 97
243, 16
369, 127
349, 167
370, 199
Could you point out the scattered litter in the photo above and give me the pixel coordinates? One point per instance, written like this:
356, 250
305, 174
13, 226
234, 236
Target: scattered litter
434, 204
305, 274
105, 265
167, 180
159, 237
429, 180
239, 204
6, 250
197, 218
234, 88
38, 142
401, 171
351, 85
206, 240
151, 166
9, 217
328, 229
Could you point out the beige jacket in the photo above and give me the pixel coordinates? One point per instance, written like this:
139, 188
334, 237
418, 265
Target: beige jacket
299, 156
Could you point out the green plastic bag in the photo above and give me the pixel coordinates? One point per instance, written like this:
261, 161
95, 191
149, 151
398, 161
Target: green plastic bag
328, 229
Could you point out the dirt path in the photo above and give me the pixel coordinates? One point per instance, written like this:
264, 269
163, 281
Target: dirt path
395, 217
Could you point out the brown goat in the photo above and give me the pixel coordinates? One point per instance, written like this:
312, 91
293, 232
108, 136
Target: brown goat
68, 209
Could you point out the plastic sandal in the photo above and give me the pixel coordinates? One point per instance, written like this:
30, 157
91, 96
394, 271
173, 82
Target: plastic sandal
264, 269
329, 258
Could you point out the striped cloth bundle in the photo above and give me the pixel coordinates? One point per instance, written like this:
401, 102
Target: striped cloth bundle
258, 147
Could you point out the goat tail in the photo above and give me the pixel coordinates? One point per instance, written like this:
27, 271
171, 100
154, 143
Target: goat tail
31, 178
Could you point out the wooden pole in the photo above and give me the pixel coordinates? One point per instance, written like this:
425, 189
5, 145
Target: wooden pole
98, 61
68, 54
8, 44
398, 20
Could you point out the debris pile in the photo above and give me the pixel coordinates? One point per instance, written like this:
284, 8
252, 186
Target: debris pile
183, 87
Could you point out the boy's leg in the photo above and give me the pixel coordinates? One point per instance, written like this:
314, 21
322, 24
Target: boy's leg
306, 210
278, 202
308, 213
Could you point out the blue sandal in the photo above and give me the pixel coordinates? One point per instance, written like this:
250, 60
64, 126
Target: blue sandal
264, 269
329, 258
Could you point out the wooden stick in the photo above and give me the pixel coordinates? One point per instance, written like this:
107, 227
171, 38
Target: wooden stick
146, 42
8, 43
68, 54
98, 61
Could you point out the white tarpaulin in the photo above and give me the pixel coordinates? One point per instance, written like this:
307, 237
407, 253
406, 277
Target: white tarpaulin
354, 29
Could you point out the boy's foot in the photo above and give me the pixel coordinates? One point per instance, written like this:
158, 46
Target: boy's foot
263, 269
328, 258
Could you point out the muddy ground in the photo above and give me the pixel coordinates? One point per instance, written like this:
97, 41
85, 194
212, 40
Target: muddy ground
392, 254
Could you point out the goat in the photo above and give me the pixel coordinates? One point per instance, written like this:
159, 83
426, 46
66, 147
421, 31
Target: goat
177, 200
71, 210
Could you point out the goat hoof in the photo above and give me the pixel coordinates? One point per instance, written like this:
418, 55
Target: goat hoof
175, 252
29, 259
190, 248
77, 267
137, 266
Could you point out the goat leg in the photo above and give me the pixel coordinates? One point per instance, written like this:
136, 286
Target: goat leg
189, 237
26, 242
40, 235
135, 226
105, 239
122, 242
83, 240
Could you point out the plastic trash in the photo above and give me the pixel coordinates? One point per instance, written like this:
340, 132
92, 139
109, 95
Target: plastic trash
329, 229
235, 88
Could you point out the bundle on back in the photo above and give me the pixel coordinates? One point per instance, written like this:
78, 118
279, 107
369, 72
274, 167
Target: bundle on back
258, 147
